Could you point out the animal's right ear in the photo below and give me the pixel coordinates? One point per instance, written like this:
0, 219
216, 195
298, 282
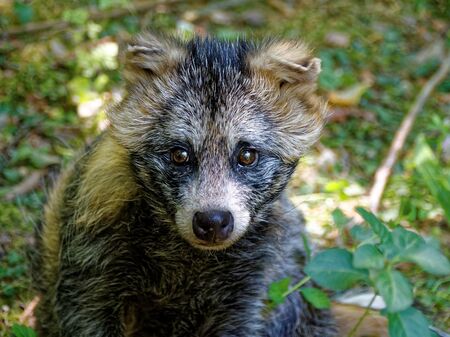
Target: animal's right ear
286, 62
151, 55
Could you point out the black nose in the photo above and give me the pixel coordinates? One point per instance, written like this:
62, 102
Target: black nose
213, 226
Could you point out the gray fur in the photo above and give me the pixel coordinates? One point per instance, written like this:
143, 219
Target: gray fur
123, 260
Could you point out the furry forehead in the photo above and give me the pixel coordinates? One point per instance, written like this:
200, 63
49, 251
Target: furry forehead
280, 75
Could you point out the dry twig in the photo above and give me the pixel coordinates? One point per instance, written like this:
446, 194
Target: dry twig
27, 315
384, 171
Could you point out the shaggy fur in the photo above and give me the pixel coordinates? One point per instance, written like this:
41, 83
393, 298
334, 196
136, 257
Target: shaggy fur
117, 255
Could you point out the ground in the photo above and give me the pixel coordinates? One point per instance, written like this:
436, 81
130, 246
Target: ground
376, 55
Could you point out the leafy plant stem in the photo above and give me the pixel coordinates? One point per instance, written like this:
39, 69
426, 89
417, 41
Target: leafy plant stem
297, 286
363, 316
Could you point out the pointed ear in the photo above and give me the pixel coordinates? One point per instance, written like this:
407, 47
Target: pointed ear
151, 55
286, 62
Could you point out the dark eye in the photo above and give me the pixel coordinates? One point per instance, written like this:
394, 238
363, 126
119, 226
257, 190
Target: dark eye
247, 156
179, 156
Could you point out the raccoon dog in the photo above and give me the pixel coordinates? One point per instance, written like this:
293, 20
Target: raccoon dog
174, 222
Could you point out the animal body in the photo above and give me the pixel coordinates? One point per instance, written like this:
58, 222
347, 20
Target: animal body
174, 222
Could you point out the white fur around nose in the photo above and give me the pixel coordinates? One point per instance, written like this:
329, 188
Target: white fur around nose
226, 196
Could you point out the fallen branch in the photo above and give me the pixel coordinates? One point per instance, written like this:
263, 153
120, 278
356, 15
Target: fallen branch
384, 171
27, 316
95, 15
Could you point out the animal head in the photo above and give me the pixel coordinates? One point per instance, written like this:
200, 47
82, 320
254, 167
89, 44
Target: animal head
215, 128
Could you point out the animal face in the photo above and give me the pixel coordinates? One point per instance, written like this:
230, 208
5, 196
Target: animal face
215, 129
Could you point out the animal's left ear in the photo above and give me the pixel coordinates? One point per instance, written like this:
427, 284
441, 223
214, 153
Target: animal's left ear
285, 74
286, 62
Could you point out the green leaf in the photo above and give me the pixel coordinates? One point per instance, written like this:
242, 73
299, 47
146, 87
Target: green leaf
339, 218
316, 297
377, 226
408, 323
361, 233
22, 331
412, 247
430, 259
337, 186
395, 290
278, 289
368, 256
402, 243
333, 269
406, 241
23, 12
